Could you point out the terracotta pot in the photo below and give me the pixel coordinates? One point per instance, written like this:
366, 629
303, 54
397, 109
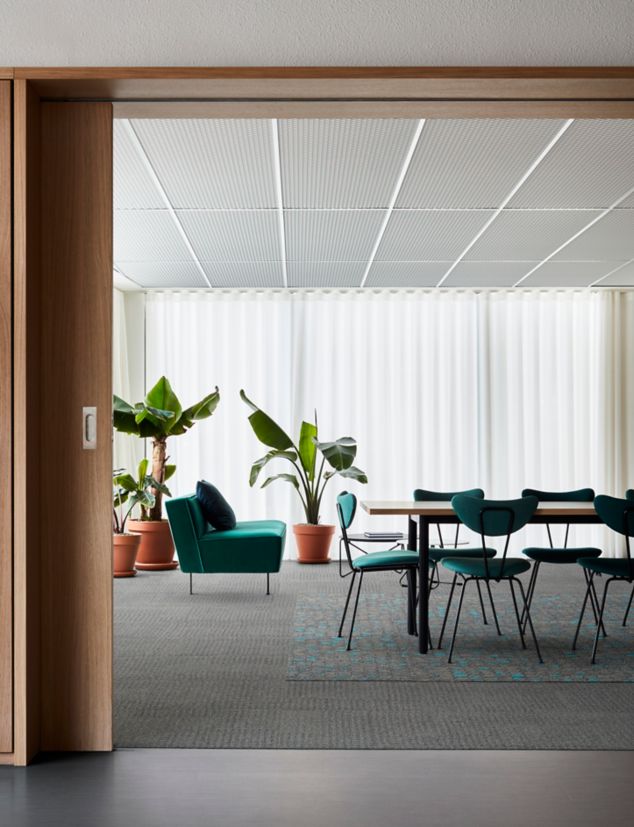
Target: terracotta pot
156, 551
313, 542
124, 552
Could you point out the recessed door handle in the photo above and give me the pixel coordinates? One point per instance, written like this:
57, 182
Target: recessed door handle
89, 419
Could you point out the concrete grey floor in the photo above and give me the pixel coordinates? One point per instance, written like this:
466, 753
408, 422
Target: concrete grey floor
309, 787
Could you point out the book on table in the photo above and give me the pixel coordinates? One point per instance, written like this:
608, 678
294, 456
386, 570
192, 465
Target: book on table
383, 535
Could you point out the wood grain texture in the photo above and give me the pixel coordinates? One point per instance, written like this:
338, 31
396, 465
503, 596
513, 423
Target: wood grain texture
326, 83
26, 442
76, 370
439, 509
6, 436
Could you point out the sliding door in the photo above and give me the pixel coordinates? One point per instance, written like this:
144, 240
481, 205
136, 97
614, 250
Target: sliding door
6, 591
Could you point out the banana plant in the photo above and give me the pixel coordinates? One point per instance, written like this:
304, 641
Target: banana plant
158, 417
315, 462
130, 492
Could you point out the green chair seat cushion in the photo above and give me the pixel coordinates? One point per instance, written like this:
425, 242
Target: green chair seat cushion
437, 554
395, 558
476, 568
613, 567
560, 555
255, 546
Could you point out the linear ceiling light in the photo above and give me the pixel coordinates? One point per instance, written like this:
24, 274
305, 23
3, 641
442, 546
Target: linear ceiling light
576, 235
157, 183
392, 201
277, 165
522, 180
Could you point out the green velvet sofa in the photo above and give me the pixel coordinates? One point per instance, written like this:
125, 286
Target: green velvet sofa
250, 547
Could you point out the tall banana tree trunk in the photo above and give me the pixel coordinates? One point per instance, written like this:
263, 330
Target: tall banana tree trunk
159, 459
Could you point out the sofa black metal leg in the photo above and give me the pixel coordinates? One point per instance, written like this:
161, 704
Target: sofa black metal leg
268, 585
190, 583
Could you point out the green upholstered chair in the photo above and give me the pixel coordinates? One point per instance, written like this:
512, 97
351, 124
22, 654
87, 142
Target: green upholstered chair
493, 518
560, 555
451, 549
251, 547
392, 560
618, 515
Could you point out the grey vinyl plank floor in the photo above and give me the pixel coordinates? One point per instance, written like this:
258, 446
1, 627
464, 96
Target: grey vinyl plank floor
308, 787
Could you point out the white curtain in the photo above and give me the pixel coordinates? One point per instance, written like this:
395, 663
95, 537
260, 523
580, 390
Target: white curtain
441, 389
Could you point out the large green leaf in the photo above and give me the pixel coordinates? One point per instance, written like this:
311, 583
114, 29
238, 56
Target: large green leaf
125, 481
204, 408
266, 430
339, 454
170, 470
259, 465
162, 398
286, 477
308, 448
354, 473
123, 416
142, 470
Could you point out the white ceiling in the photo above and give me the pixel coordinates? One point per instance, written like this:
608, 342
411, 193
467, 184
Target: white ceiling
374, 203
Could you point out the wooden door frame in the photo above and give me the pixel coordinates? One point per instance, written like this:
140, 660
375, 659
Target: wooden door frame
456, 92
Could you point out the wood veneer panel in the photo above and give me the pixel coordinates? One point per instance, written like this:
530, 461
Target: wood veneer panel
6, 436
76, 370
26, 443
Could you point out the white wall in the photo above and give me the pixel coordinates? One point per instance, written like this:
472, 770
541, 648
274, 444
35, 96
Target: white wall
318, 32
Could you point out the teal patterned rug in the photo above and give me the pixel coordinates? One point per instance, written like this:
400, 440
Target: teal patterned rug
383, 651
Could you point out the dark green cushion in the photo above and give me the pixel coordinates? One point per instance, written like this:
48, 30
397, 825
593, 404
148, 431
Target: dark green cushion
395, 558
476, 568
255, 546
215, 508
613, 567
437, 554
560, 555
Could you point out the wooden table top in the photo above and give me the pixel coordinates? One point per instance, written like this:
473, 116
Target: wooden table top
444, 509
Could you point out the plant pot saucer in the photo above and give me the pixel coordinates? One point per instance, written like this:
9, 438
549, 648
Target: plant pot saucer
124, 573
157, 566
314, 562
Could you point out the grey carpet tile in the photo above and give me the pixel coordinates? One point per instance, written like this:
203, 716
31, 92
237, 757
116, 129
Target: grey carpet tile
209, 671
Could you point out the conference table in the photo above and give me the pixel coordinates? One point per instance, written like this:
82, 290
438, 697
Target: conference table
442, 513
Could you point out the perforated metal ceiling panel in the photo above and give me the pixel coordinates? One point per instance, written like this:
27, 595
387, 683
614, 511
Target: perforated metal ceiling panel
147, 235
610, 239
429, 235
133, 187
487, 273
342, 163
325, 273
472, 163
342, 235
406, 273
212, 163
591, 166
163, 273
567, 273
624, 277
527, 236
244, 274
233, 236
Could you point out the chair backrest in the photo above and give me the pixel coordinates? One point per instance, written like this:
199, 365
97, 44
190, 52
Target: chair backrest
618, 515
579, 495
494, 518
187, 524
629, 494
425, 495
346, 509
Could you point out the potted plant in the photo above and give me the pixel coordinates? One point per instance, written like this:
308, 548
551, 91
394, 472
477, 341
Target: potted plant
311, 477
127, 493
157, 418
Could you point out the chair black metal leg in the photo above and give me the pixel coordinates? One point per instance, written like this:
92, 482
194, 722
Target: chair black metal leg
594, 602
354, 613
530, 591
434, 573
268, 585
190, 583
530, 622
484, 616
583, 611
455, 628
411, 601
596, 637
629, 606
444, 620
495, 616
345, 608
517, 614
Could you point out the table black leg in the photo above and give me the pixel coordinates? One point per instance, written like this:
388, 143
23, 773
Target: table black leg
411, 534
423, 585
